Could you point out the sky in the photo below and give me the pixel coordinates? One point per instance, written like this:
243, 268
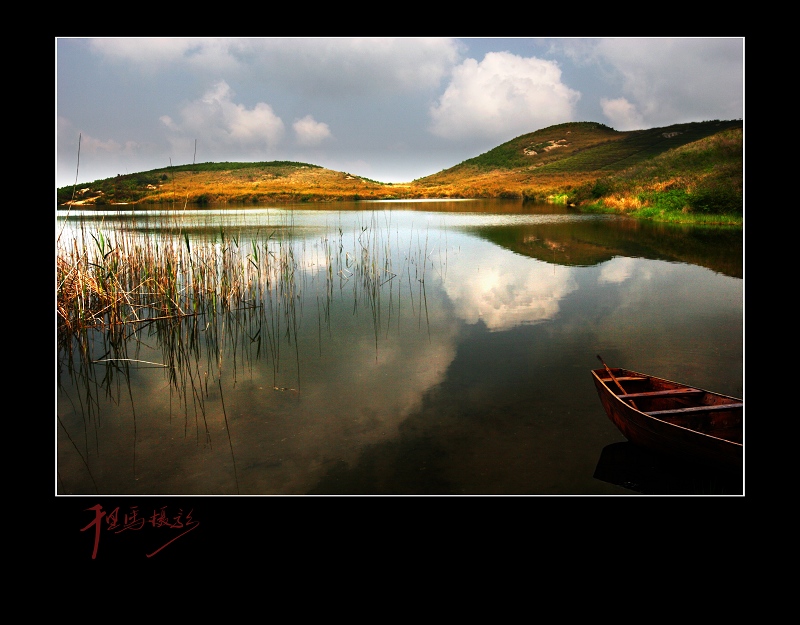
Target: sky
387, 109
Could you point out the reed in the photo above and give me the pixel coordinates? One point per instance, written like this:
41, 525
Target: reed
112, 281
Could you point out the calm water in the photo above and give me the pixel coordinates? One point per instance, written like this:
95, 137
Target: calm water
408, 348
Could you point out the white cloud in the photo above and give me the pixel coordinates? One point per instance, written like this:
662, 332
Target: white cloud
506, 291
154, 54
310, 132
357, 66
622, 114
70, 140
334, 66
218, 122
91, 157
678, 80
501, 97
91, 145
617, 270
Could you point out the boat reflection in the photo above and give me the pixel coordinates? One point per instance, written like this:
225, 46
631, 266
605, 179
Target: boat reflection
624, 464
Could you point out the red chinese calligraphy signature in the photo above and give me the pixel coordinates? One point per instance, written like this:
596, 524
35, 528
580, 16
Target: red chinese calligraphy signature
132, 521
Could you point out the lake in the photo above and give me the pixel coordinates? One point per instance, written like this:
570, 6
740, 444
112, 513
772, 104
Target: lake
401, 348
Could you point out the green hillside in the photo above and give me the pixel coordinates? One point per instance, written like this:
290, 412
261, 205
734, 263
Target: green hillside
691, 169
588, 146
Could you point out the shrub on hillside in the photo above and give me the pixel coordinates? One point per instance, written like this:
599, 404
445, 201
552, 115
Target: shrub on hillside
715, 199
671, 200
601, 188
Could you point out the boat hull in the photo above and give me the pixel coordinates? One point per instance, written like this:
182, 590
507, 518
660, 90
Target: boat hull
689, 423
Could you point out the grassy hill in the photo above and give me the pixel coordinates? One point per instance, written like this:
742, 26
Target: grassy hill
683, 168
226, 183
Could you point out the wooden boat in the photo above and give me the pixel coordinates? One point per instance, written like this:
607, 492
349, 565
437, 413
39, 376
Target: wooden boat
674, 419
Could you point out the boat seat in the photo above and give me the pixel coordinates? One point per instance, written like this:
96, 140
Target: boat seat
675, 392
695, 409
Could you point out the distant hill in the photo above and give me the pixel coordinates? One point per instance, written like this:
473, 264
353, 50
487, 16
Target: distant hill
577, 163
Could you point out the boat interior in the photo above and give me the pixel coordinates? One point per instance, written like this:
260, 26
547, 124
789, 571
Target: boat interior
692, 408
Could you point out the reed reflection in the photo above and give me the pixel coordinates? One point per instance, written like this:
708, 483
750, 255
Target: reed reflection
232, 362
